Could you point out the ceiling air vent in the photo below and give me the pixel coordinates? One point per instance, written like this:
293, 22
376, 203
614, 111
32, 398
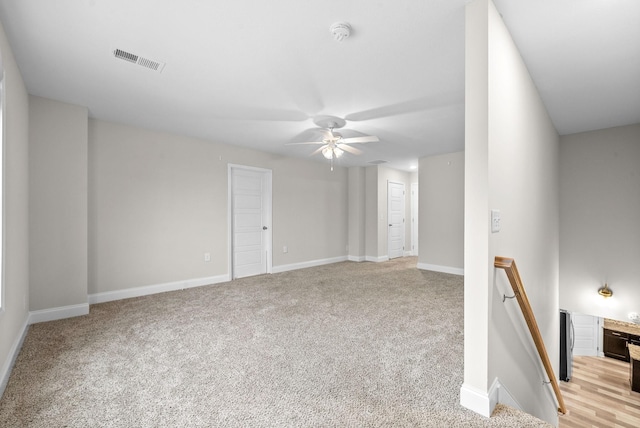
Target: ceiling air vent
378, 162
137, 59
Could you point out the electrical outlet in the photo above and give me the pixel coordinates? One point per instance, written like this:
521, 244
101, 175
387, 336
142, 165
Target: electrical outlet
207, 257
633, 316
285, 249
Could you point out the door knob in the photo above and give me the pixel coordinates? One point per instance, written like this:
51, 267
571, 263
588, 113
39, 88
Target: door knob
390, 224
264, 227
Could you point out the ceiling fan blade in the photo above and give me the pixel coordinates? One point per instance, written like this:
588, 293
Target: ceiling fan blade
318, 150
349, 149
243, 113
304, 143
433, 101
366, 139
310, 136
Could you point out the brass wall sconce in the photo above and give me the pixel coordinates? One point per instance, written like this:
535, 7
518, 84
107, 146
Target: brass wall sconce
605, 291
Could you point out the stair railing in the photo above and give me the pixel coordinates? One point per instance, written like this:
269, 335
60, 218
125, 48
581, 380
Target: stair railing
509, 266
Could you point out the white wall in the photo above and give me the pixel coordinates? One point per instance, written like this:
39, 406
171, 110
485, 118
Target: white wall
158, 202
14, 315
57, 204
441, 206
474, 391
511, 164
414, 176
413, 217
600, 221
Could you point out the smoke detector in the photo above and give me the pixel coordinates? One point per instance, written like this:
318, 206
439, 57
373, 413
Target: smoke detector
340, 30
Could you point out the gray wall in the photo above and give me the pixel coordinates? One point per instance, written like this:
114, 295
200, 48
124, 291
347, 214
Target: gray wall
441, 207
372, 180
511, 164
57, 204
14, 313
371, 212
310, 208
357, 213
158, 202
600, 221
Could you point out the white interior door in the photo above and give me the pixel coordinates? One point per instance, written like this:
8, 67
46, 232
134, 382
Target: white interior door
395, 215
414, 219
585, 336
250, 195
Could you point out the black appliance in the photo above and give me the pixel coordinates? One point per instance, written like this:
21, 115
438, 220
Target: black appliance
567, 338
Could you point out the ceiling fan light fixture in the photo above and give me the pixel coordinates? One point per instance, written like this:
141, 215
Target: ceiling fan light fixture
338, 152
327, 153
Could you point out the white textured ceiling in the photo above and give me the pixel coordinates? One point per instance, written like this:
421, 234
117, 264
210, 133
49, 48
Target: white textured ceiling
256, 73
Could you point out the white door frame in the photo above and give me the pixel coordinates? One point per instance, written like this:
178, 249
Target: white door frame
414, 219
403, 228
268, 241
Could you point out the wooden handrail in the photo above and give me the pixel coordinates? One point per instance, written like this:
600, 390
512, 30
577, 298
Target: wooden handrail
509, 266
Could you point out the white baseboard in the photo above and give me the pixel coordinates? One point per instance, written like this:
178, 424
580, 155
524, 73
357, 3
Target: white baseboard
377, 259
60, 313
494, 394
374, 258
475, 400
484, 403
505, 397
7, 366
109, 296
443, 269
312, 263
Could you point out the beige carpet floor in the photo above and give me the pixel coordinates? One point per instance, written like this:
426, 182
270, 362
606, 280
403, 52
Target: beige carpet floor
342, 345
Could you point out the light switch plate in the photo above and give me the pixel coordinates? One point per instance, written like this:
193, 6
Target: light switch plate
495, 221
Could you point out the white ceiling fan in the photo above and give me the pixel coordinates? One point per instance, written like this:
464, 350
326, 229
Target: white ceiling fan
333, 144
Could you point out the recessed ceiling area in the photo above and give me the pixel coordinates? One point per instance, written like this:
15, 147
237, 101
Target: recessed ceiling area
257, 74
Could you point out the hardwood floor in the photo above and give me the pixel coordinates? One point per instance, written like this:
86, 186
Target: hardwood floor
599, 395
